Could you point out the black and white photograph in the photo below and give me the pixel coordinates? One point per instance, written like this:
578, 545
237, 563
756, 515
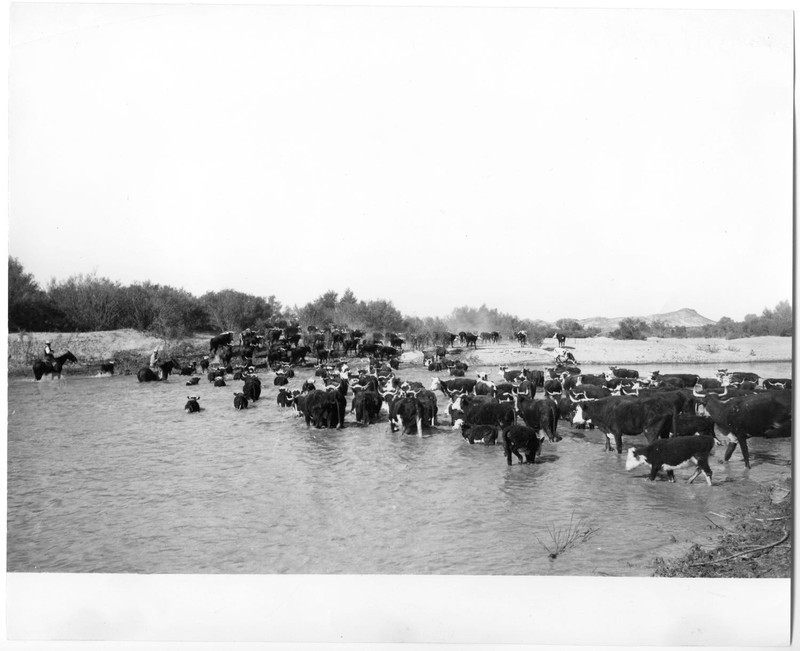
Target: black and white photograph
400, 324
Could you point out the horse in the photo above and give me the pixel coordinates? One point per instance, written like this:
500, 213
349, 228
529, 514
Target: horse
146, 374
42, 367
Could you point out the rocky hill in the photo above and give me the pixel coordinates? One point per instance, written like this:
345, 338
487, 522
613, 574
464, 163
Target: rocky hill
684, 317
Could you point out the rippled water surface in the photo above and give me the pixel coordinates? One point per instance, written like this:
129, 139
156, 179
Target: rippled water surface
109, 475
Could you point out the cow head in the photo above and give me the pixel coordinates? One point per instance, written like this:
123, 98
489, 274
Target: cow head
635, 459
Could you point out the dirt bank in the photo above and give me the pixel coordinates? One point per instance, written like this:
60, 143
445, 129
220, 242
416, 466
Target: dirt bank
753, 543
131, 348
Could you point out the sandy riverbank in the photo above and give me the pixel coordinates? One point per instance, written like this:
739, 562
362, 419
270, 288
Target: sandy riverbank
131, 347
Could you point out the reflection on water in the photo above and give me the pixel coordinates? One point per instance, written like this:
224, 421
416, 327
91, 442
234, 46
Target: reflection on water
109, 475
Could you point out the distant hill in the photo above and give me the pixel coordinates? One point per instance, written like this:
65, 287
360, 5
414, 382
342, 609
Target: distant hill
684, 317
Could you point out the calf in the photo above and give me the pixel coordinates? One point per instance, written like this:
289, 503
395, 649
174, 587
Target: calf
192, 381
252, 388
284, 398
219, 382
239, 401
522, 441
192, 406
673, 453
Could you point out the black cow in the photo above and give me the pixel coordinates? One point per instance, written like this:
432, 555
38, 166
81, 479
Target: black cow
298, 355
590, 392
284, 398
624, 372
326, 407
561, 338
252, 387
280, 380
673, 453
588, 378
738, 376
504, 391
491, 412
486, 434
777, 384
239, 400
553, 387
223, 339
767, 414
617, 416
522, 337
521, 441
483, 387
204, 363
406, 413
689, 425
677, 380
192, 381
146, 374
471, 340
526, 388
192, 405
366, 405
107, 367
189, 370
511, 376
458, 384
541, 416
430, 408
219, 382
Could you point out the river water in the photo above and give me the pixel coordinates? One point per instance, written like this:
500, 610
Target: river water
109, 475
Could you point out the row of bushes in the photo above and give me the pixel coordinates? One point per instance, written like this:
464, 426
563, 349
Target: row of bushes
777, 322
85, 303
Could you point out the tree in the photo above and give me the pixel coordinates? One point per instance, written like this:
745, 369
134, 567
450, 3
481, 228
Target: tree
569, 327
631, 328
29, 307
232, 310
88, 302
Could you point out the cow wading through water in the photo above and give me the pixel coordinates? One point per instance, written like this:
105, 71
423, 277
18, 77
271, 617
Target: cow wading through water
673, 453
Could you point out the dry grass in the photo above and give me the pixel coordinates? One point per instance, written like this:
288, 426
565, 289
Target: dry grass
563, 538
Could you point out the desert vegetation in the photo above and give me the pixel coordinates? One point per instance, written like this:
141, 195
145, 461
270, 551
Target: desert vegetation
88, 303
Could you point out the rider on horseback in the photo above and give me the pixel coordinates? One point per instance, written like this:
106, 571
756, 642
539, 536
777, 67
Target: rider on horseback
48, 352
154, 360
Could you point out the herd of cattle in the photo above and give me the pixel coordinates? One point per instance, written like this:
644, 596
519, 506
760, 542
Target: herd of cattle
669, 409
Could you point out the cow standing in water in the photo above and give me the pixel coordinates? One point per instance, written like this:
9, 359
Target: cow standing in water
673, 453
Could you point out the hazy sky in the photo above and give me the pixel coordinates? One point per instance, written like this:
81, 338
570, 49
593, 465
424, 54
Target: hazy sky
547, 163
